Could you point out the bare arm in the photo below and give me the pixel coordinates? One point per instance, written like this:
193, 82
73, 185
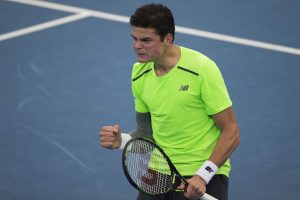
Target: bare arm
229, 139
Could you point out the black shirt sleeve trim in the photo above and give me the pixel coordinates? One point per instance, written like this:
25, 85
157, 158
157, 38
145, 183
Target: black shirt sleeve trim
187, 70
139, 76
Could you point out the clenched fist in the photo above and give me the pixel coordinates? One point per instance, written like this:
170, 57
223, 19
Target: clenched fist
110, 137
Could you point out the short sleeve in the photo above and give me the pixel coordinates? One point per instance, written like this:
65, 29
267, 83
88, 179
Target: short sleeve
213, 89
140, 106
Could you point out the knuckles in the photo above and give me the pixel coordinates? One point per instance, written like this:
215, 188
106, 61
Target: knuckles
107, 137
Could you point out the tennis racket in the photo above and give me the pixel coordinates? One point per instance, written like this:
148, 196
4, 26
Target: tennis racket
150, 170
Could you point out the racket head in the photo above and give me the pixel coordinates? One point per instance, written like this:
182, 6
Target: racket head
147, 167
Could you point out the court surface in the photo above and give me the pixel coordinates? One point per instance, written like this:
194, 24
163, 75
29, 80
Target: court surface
65, 72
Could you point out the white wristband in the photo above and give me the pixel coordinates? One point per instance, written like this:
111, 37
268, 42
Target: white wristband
125, 138
207, 171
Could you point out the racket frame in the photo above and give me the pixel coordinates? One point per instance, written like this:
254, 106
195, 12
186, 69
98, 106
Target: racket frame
177, 179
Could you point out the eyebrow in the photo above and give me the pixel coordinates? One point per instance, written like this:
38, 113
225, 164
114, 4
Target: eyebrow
143, 39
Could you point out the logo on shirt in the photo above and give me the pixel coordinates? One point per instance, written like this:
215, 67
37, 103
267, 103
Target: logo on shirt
184, 88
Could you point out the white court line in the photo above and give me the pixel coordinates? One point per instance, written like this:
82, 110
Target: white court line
59, 146
43, 26
72, 9
179, 29
237, 40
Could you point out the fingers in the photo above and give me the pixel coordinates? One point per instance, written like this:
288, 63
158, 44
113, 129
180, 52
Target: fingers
196, 188
109, 137
106, 136
116, 129
182, 186
194, 192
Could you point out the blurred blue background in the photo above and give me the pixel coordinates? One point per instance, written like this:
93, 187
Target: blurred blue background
59, 85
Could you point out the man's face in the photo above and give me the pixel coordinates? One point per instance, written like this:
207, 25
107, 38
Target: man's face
147, 44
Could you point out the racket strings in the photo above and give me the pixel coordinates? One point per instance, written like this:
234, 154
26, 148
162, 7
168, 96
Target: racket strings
148, 168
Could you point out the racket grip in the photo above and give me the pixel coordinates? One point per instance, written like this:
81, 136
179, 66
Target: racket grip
207, 197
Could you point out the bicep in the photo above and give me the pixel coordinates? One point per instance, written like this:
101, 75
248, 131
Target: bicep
225, 118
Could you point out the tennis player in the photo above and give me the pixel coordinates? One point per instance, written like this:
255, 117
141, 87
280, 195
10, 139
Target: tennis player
182, 103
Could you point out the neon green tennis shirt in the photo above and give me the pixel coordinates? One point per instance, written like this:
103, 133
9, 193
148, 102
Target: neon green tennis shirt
180, 104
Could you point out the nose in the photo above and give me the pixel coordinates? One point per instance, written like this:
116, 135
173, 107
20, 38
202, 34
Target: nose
137, 44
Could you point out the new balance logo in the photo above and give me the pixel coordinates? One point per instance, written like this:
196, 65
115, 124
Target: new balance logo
183, 88
210, 170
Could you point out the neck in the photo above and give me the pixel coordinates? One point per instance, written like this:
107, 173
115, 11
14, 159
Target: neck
167, 61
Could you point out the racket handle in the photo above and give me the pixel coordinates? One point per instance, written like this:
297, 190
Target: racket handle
208, 197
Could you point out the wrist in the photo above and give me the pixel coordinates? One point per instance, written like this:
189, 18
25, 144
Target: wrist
124, 139
207, 171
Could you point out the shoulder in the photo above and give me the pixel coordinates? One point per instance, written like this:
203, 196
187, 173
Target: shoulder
195, 61
140, 69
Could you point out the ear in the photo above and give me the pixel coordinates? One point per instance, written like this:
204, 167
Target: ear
168, 38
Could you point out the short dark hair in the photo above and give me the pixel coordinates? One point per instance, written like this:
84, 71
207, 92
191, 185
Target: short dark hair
156, 16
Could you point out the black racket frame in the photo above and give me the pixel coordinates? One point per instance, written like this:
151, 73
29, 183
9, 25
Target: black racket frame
177, 178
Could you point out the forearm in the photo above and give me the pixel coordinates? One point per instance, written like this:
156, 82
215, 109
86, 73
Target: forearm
226, 144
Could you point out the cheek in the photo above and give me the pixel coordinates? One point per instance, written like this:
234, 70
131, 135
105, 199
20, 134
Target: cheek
155, 50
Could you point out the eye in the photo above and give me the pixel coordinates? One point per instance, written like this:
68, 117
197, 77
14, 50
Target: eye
146, 40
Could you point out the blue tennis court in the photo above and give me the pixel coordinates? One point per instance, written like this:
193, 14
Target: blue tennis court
65, 70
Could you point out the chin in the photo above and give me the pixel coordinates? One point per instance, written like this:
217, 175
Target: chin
142, 60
